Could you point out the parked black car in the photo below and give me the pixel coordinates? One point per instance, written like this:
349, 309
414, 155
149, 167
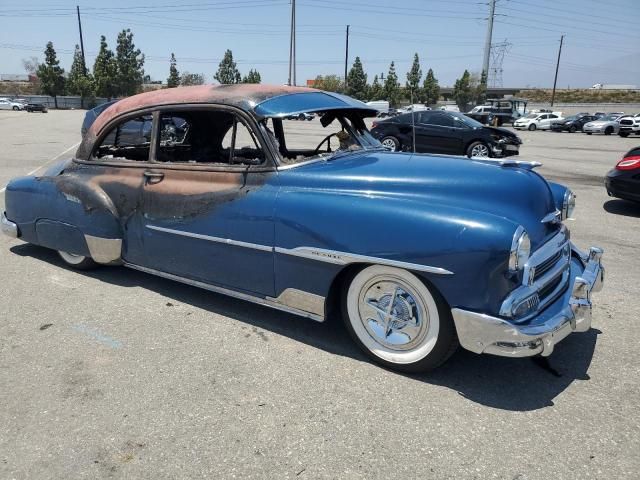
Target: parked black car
36, 107
453, 133
572, 124
624, 180
92, 114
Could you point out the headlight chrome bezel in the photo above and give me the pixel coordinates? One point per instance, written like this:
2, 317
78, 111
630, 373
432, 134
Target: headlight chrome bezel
568, 204
520, 250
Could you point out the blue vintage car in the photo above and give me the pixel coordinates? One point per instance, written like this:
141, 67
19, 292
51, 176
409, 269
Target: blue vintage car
214, 187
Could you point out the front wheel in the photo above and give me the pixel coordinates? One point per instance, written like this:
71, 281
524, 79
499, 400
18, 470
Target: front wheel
532, 127
391, 143
572, 129
15, 109
79, 262
397, 321
588, 133
478, 149
608, 130
623, 134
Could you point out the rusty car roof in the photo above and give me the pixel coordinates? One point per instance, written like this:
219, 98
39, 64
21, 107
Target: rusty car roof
245, 96
259, 99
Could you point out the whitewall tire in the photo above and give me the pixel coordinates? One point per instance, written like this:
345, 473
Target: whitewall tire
394, 317
79, 262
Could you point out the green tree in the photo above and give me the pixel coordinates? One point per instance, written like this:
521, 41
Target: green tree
187, 79
79, 82
329, 83
391, 86
174, 76
431, 89
105, 71
227, 72
252, 77
130, 61
463, 93
357, 81
481, 89
51, 75
413, 79
375, 90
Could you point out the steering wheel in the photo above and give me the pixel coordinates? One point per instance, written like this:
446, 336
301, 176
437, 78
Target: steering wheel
325, 139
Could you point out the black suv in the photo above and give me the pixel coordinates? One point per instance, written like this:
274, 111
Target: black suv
452, 133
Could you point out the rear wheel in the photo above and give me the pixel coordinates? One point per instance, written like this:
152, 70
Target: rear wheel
79, 262
16, 108
588, 133
391, 142
532, 127
397, 321
478, 149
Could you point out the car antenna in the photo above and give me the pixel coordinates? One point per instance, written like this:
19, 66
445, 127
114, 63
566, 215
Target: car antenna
413, 123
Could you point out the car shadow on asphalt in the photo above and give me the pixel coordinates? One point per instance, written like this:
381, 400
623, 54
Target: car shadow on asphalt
622, 207
497, 382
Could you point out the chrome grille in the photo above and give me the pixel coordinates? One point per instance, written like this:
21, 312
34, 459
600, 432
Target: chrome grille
546, 276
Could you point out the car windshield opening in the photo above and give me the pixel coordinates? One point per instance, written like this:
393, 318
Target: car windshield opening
319, 135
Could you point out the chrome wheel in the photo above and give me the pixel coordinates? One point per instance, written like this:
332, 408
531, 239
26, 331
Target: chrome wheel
390, 313
396, 320
480, 150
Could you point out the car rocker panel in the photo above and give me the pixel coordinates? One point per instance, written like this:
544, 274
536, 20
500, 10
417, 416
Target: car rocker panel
485, 236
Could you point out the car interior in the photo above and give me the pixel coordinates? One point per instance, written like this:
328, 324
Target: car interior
193, 137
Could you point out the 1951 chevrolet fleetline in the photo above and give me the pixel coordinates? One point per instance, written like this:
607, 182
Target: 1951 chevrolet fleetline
212, 186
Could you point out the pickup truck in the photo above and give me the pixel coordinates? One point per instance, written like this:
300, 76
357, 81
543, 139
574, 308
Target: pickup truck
498, 111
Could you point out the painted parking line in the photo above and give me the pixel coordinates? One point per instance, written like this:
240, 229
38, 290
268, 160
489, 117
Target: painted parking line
47, 162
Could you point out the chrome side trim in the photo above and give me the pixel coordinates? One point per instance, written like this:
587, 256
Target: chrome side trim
507, 162
267, 302
342, 258
301, 300
228, 241
9, 228
319, 254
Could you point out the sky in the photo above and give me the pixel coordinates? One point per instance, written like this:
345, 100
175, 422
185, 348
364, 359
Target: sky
601, 44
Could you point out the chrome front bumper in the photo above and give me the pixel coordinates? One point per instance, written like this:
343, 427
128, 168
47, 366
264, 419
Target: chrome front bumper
8, 227
482, 333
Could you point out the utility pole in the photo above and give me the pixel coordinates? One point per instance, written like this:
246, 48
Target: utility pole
84, 63
555, 79
346, 57
487, 43
292, 46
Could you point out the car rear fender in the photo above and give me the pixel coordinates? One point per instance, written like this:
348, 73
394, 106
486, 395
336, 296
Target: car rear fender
65, 213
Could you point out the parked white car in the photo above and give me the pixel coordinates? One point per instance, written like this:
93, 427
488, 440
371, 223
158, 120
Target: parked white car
382, 106
6, 104
629, 124
416, 107
537, 121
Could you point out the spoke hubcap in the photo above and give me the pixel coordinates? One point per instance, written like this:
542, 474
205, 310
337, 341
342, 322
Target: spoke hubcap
480, 151
389, 143
392, 313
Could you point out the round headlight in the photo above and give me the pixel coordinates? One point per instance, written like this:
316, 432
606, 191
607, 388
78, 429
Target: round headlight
568, 204
520, 250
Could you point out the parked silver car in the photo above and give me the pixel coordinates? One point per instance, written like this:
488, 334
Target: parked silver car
607, 124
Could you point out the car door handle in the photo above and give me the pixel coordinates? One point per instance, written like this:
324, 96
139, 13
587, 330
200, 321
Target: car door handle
153, 177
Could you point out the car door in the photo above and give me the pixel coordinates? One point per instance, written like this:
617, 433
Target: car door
550, 119
207, 202
436, 133
4, 105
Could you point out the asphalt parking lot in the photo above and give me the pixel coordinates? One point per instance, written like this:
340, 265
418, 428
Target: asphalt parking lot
117, 374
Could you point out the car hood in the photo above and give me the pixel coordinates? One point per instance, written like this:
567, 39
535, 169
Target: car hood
600, 123
516, 194
503, 132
